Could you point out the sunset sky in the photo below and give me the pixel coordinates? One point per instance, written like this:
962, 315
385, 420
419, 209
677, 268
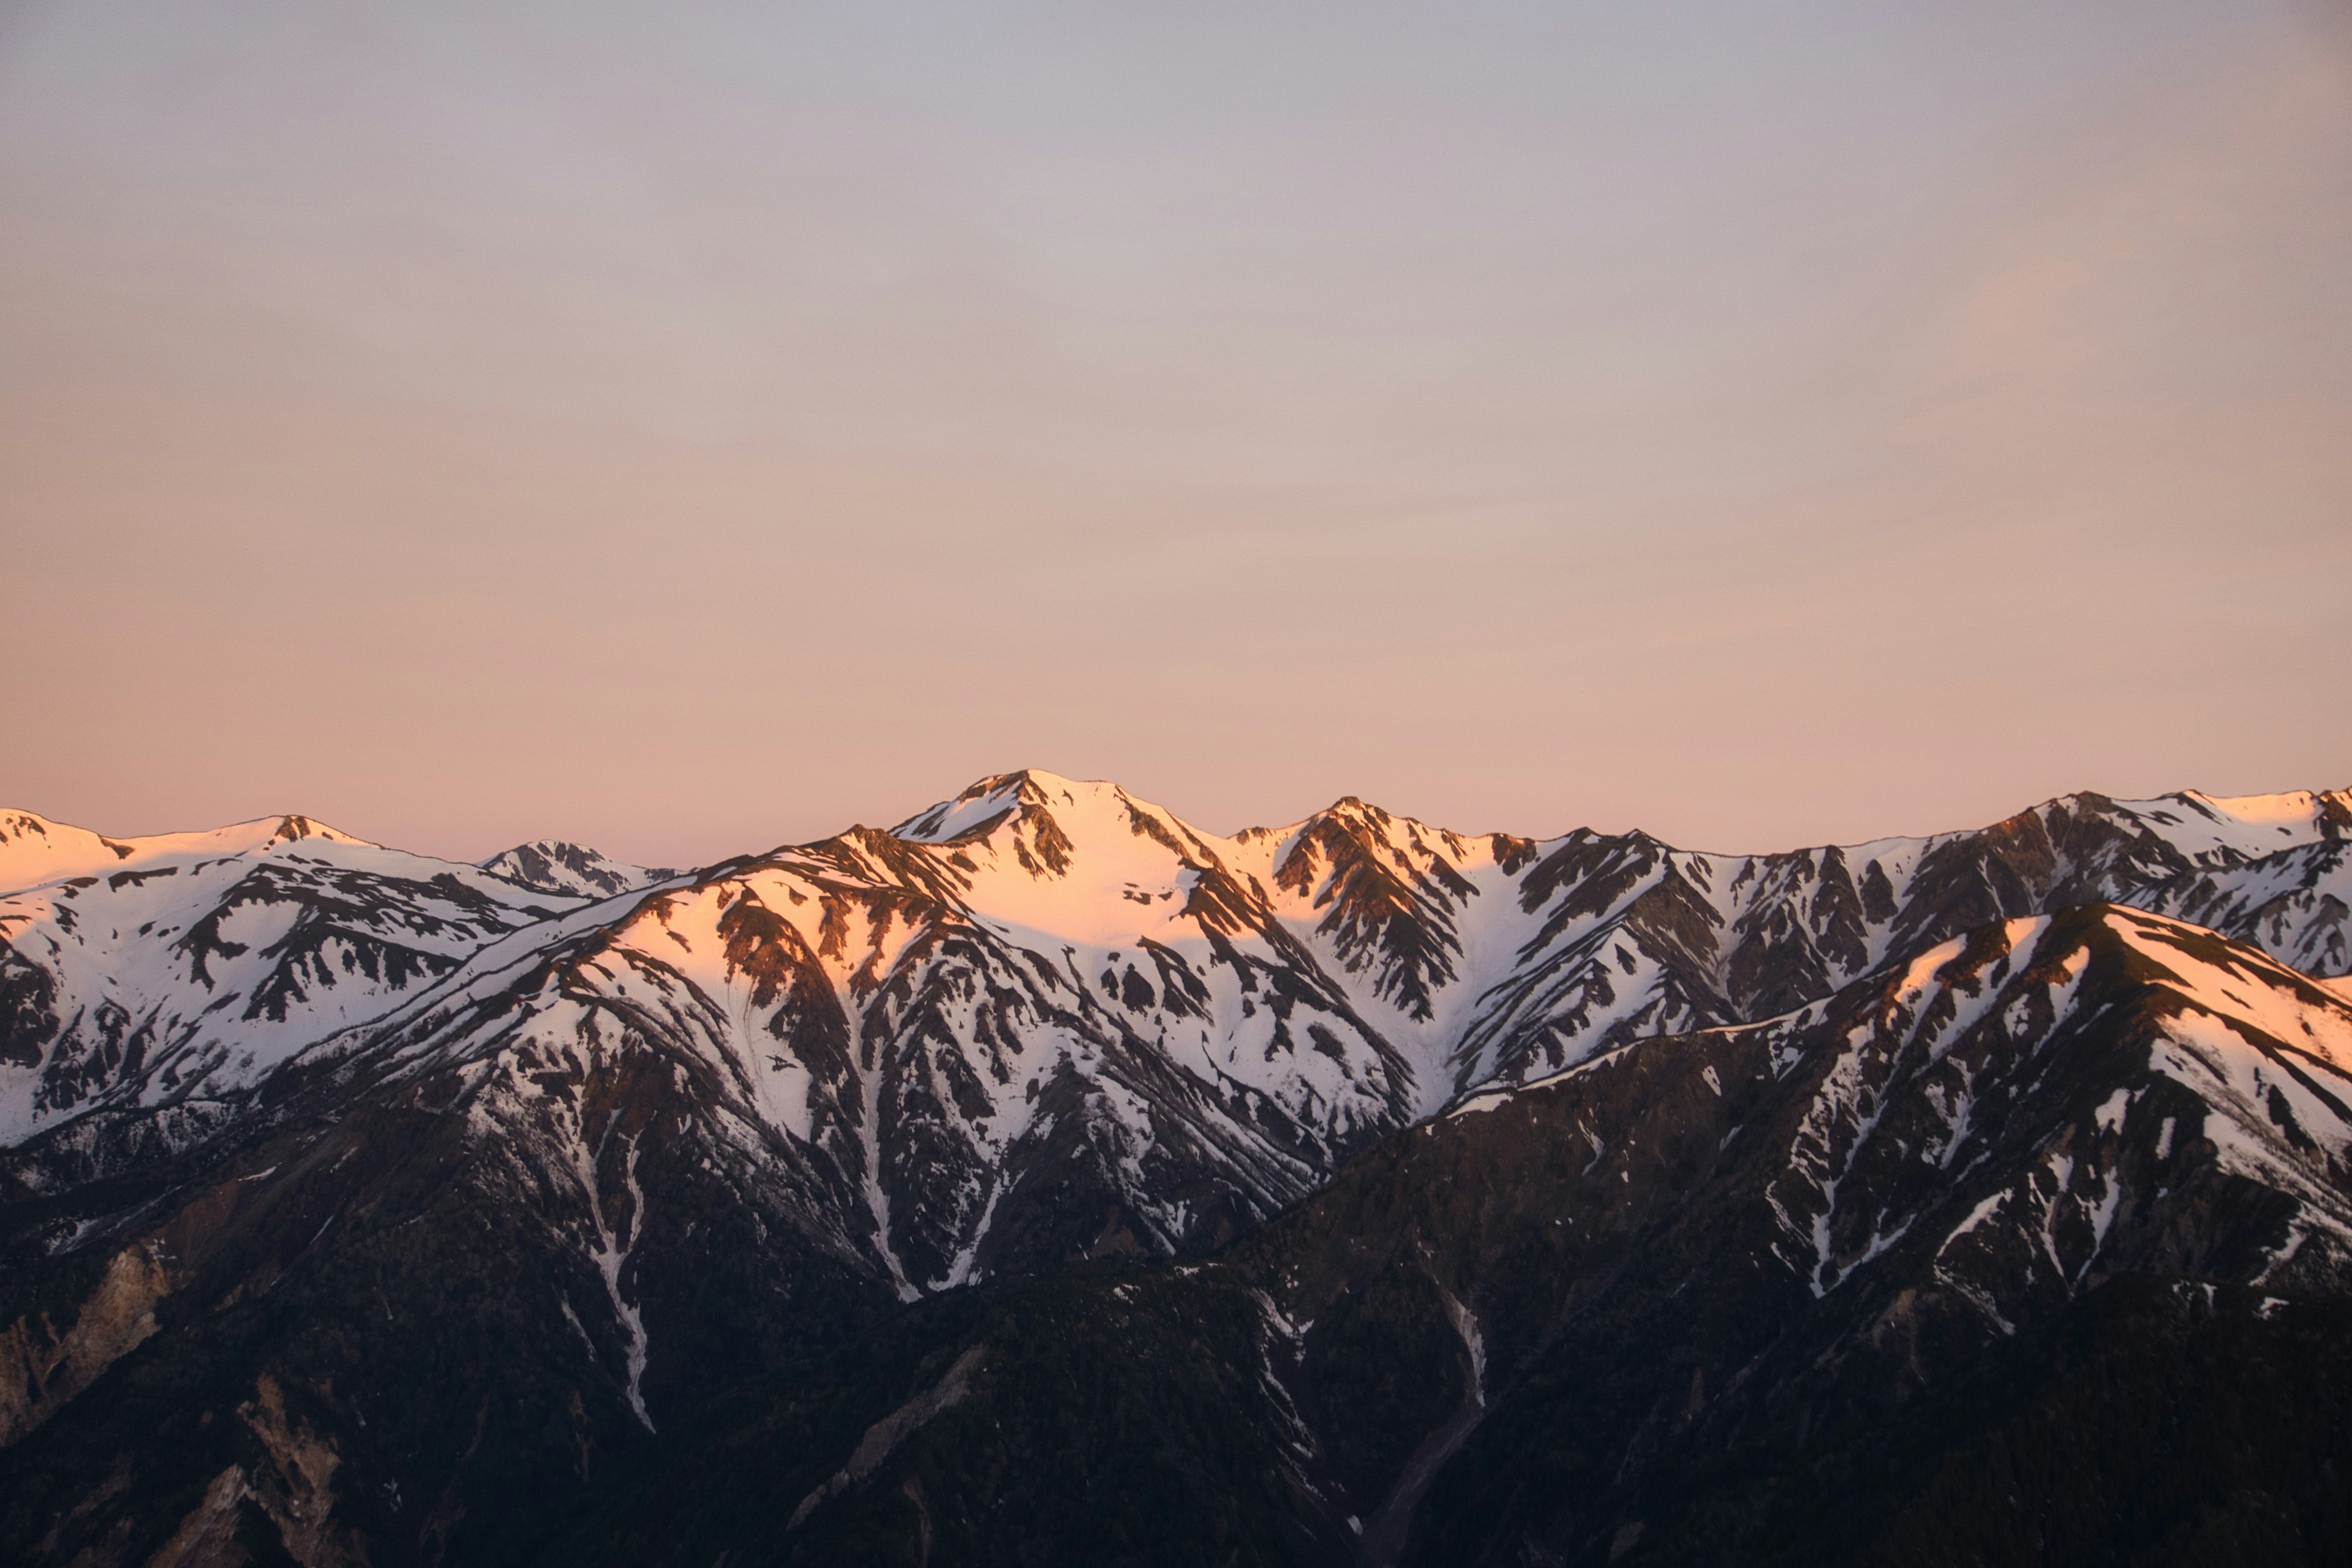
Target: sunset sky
686, 429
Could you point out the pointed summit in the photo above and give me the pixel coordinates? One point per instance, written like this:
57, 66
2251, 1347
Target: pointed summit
989, 800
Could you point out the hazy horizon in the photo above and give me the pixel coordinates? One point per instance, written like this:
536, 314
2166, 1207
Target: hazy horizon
689, 434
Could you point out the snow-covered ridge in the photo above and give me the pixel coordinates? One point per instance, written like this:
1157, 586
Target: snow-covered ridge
2209, 829
148, 971
1470, 952
1045, 969
34, 850
2206, 1054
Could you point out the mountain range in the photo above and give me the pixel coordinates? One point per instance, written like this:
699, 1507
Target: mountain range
1044, 1180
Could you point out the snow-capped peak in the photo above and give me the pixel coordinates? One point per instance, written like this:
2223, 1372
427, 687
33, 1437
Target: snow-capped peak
555, 866
980, 807
35, 849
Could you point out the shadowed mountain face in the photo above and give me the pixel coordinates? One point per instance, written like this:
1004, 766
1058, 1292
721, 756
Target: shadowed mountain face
919, 1191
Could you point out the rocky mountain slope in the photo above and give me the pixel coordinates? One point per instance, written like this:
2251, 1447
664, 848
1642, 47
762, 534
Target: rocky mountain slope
361, 1206
1685, 1297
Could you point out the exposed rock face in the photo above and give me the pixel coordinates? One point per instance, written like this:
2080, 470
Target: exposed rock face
448, 1209
42, 1365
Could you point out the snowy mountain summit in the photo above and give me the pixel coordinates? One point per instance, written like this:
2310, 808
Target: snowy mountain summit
552, 866
1387, 1145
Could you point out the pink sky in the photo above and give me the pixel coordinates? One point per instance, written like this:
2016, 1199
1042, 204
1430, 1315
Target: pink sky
471, 425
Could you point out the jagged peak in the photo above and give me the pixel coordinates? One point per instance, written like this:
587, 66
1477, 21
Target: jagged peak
1036, 797
1422, 842
2209, 829
293, 828
560, 866
983, 804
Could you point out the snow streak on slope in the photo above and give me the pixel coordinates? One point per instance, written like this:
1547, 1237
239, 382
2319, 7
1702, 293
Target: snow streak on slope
2210, 1060
2015, 1113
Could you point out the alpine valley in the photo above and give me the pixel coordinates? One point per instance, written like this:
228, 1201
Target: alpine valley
1044, 1181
